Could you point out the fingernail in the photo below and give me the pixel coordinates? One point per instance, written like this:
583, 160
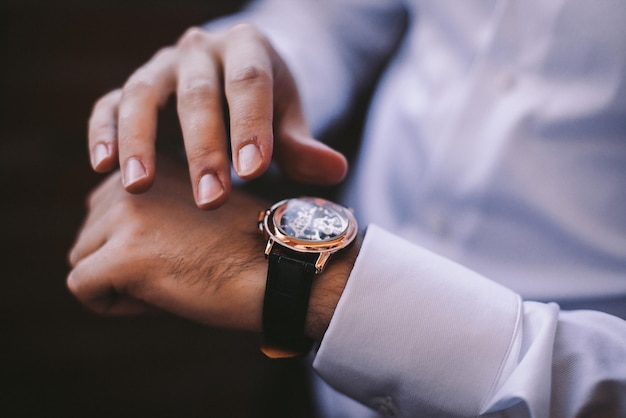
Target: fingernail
134, 172
249, 159
209, 189
100, 152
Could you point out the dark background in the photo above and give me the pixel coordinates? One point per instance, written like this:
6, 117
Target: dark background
56, 358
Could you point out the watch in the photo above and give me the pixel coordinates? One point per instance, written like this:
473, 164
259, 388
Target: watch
302, 234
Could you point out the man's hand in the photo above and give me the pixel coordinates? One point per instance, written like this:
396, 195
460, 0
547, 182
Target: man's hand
157, 250
204, 70
137, 252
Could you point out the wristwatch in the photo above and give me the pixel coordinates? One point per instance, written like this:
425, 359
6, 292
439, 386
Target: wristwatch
302, 234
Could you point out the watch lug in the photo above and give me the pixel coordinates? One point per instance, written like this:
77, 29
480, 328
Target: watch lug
268, 247
322, 259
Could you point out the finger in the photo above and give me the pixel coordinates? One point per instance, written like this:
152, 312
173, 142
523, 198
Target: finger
299, 155
102, 132
96, 228
92, 236
199, 102
144, 92
91, 284
307, 160
92, 281
248, 85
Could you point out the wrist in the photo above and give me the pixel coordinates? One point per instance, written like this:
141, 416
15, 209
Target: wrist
327, 289
303, 285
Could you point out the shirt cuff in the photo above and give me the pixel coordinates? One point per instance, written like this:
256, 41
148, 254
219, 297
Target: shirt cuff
415, 333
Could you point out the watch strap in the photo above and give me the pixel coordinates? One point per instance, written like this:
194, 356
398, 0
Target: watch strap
286, 303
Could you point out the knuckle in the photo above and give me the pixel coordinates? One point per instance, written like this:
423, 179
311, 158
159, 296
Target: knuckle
250, 74
246, 32
130, 231
104, 110
193, 37
164, 53
206, 155
108, 99
151, 80
101, 129
243, 124
138, 85
73, 283
202, 152
125, 211
196, 92
244, 29
132, 141
145, 79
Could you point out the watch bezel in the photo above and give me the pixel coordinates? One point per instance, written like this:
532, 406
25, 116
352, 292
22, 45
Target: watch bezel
268, 226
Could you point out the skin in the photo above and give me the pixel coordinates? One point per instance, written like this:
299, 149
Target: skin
203, 69
152, 249
140, 253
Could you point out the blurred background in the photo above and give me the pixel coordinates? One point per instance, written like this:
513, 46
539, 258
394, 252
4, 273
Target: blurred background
56, 358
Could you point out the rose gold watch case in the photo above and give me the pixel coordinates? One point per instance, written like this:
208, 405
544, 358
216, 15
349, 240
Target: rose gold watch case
270, 218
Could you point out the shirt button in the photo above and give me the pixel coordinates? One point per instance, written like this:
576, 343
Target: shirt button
385, 406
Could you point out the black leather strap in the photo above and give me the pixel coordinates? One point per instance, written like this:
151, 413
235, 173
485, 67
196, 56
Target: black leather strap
287, 291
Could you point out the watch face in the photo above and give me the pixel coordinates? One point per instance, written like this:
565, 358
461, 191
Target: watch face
314, 220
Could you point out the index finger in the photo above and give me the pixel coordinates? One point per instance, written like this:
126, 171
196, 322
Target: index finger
144, 92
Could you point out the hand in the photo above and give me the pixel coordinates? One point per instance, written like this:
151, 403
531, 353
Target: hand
202, 69
157, 250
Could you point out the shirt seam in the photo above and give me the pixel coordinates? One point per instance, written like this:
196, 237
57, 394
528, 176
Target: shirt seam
497, 376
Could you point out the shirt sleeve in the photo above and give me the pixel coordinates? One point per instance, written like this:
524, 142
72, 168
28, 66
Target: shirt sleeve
334, 48
415, 334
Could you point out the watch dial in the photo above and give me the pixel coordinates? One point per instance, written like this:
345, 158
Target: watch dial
313, 220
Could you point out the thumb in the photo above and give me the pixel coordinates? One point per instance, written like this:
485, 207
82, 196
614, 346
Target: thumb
301, 157
305, 159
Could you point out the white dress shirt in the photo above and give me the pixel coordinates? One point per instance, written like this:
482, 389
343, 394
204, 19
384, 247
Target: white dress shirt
492, 175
